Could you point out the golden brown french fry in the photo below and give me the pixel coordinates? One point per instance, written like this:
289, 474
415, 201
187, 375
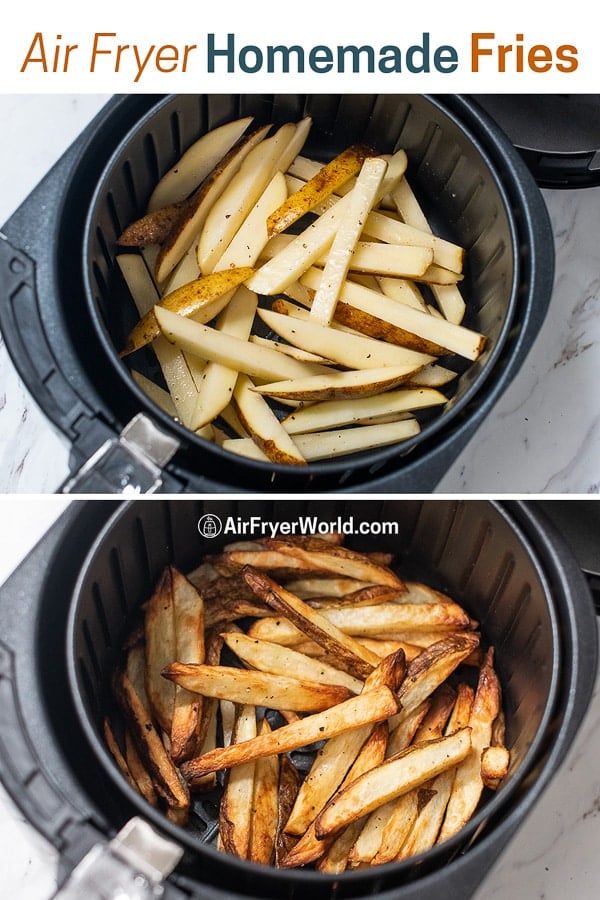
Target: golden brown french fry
370, 595
309, 848
289, 784
259, 688
468, 783
431, 668
396, 829
339, 753
351, 656
130, 692
308, 586
188, 616
235, 808
117, 753
398, 775
264, 806
136, 767
367, 708
426, 827
276, 659
494, 766
160, 649
318, 555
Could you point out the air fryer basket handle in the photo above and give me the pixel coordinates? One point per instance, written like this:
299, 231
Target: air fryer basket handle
24, 335
132, 866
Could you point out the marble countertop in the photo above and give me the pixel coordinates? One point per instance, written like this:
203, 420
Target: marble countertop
553, 855
544, 433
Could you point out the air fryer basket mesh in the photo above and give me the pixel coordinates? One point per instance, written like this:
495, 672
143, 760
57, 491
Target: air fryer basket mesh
461, 190
472, 550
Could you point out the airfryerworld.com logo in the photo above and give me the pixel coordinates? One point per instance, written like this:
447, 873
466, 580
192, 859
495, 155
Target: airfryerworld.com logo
211, 526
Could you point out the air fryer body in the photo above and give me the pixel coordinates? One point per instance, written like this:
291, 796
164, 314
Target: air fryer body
66, 293
504, 561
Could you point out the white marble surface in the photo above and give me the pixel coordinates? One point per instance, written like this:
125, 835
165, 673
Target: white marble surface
543, 435
553, 855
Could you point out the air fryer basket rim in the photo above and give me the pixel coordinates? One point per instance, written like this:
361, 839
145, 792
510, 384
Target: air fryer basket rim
497, 808
490, 143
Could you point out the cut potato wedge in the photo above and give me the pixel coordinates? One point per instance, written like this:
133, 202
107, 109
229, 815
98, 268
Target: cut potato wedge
197, 163
187, 228
342, 251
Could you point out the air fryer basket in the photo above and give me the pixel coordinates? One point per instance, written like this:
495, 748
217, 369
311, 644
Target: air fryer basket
472, 184
478, 551
451, 170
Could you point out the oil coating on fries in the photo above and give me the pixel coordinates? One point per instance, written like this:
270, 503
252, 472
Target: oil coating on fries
348, 240
404, 744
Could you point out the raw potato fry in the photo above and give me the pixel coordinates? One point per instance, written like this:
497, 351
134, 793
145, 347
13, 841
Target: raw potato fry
197, 163
193, 299
225, 205
218, 381
263, 425
340, 385
449, 298
334, 413
196, 211
367, 708
209, 343
351, 350
315, 190
391, 779
454, 338
235, 810
328, 444
153, 228
172, 362
228, 212
341, 252
157, 394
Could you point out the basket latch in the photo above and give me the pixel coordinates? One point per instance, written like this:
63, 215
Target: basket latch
130, 463
132, 866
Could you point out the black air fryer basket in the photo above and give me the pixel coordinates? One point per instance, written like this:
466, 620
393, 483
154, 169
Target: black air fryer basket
64, 613
65, 311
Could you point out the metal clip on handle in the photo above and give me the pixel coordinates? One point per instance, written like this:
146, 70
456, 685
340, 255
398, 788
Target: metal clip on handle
132, 866
131, 463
